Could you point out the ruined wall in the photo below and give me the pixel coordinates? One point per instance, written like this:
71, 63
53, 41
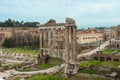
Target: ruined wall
59, 40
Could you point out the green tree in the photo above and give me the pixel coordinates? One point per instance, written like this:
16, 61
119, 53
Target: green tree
7, 43
8, 23
30, 24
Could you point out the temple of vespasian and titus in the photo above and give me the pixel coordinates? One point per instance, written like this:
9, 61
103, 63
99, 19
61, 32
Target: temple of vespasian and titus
59, 40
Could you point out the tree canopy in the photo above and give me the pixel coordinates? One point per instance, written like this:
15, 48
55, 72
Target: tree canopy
13, 23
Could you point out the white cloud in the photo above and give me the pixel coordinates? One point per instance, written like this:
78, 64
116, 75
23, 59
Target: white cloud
99, 11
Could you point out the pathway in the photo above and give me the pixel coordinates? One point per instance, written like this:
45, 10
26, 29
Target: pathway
102, 46
6, 73
51, 70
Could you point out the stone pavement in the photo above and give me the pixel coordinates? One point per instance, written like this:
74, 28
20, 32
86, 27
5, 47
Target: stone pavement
48, 71
6, 73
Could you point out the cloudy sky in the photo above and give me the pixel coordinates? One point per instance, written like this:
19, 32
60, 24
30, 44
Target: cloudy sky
87, 13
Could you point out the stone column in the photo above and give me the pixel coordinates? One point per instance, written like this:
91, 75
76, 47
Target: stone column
41, 40
74, 44
71, 45
41, 46
67, 50
71, 56
44, 41
49, 38
74, 52
49, 41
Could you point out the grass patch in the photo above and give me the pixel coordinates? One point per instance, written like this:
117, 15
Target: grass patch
58, 76
109, 51
51, 63
100, 63
100, 78
45, 77
86, 50
111, 64
79, 76
45, 66
92, 67
88, 71
17, 79
84, 76
21, 50
10, 65
88, 63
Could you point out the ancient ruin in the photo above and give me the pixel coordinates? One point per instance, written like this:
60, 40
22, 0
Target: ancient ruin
105, 57
59, 40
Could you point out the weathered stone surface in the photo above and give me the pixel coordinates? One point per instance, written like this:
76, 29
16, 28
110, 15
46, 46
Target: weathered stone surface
43, 58
46, 71
110, 72
59, 40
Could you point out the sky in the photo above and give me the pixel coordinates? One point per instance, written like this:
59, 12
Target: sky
87, 13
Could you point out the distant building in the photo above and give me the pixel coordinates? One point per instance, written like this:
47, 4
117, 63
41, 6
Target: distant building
90, 35
117, 29
109, 34
115, 43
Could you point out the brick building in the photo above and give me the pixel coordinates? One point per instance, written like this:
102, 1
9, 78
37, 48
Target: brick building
90, 35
